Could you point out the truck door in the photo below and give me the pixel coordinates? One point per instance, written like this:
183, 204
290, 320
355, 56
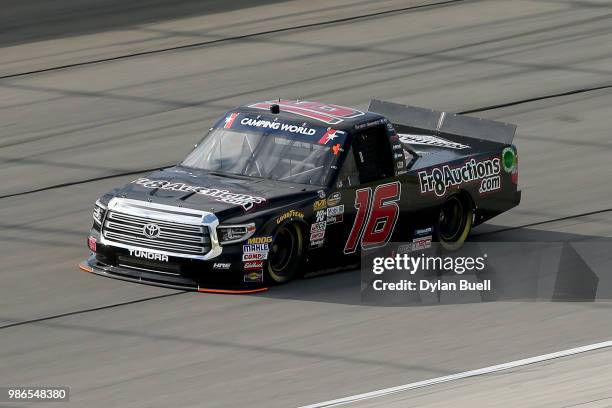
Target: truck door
369, 193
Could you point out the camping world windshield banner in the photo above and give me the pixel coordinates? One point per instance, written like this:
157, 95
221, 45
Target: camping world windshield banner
305, 132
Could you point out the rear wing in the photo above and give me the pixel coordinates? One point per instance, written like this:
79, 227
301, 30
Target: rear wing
443, 123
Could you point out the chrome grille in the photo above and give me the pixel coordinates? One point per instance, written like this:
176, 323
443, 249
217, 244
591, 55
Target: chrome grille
128, 229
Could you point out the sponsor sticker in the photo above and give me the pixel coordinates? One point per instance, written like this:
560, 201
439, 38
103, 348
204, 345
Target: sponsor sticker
260, 240
245, 200
334, 199
335, 219
221, 265
255, 248
317, 235
320, 204
320, 216
439, 179
253, 265
337, 210
316, 244
317, 226
276, 125
253, 277
418, 244
255, 256
91, 243
423, 231
289, 214
430, 140
404, 249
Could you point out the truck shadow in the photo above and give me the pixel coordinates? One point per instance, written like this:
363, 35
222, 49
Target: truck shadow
589, 272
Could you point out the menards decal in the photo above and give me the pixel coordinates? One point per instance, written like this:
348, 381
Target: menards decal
245, 200
438, 179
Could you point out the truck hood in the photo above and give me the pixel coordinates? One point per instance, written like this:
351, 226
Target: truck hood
226, 196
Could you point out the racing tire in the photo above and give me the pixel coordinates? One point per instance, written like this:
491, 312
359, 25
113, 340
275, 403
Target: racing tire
286, 253
454, 222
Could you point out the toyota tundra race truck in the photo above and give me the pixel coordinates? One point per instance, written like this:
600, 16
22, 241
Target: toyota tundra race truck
278, 187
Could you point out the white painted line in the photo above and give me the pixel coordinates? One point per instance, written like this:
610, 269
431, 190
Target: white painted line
459, 376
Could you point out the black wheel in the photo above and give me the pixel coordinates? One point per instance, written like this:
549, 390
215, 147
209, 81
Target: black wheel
285, 253
454, 222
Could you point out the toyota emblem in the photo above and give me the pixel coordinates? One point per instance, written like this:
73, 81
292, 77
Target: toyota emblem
151, 230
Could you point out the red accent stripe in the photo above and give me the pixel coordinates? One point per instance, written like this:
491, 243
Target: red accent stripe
85, 268
325, 138
232, 292
230, 121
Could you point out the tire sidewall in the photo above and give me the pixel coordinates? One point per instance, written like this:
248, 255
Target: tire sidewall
466, 227
296, 257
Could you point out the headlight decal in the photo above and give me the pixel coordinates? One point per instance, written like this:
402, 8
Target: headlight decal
229, 234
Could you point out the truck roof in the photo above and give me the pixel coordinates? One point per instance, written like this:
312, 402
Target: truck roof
317, 113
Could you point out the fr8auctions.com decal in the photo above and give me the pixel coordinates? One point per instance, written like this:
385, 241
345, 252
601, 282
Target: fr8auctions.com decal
376, 216
438, 179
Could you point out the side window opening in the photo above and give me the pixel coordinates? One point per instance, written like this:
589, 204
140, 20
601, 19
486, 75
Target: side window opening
348, 175
373, 154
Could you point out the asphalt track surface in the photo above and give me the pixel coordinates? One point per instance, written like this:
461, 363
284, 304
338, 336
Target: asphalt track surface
71, 128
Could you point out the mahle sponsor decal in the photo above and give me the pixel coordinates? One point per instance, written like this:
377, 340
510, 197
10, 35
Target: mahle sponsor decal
439, 179
247, 201
255, 248
148, 255
289, 214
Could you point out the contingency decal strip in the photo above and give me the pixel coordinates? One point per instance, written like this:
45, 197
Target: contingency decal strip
460, 376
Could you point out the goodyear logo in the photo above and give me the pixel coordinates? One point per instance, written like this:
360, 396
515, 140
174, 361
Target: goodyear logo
290, 214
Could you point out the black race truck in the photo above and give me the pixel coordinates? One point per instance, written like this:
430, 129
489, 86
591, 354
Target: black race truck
279, 185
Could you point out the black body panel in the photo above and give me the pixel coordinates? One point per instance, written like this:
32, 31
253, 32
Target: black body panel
389, 181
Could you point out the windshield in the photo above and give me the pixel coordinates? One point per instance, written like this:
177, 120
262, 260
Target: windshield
270, 149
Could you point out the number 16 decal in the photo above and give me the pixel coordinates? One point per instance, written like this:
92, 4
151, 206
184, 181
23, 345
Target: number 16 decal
378, 214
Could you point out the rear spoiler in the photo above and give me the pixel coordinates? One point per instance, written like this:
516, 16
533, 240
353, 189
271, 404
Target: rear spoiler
443, 123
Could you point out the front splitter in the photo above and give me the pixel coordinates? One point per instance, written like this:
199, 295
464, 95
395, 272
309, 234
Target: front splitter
91, 266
